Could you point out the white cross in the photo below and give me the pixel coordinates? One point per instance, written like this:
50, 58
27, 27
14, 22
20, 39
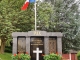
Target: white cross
37, 51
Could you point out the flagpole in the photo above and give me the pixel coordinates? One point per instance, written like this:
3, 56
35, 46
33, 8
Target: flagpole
35, 17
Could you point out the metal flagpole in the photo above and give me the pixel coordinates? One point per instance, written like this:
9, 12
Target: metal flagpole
35, 17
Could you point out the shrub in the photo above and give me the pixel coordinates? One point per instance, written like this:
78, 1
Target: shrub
24, 57
78, 55
15, 57
52, 56
21, 57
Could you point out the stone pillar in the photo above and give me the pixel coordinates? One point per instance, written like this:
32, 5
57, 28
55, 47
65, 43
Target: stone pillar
46, 45
59, 45
28, 44
14, 45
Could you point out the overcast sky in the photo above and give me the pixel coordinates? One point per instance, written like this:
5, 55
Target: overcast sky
42, 0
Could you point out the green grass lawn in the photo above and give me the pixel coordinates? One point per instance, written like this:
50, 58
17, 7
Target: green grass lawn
8, 53
6, 56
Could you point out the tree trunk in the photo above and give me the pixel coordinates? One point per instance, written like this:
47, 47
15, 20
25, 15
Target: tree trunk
2, 48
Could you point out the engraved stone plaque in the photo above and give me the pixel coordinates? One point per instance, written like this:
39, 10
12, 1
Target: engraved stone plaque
52, 45
21, 45
36, 42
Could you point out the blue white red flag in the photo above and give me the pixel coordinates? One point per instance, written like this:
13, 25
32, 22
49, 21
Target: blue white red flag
26, 4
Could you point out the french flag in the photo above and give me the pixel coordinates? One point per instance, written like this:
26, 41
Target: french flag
26, 4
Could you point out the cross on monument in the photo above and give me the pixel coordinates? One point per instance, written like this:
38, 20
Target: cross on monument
37, 51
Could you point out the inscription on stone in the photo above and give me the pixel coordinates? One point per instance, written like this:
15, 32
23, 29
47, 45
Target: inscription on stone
37, 42
21, 45
52, 45
37, 33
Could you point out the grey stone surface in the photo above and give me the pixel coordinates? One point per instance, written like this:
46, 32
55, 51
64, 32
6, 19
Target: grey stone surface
37, 33
16, 34
28, 44
59, 45
46, 36
46, 45
14, 46
54, 34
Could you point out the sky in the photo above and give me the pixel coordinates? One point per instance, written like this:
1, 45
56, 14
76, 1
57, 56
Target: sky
43, 0
40, 0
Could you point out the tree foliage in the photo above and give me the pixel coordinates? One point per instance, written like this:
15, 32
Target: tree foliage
13, 19
65, 19
44, 12
56, 16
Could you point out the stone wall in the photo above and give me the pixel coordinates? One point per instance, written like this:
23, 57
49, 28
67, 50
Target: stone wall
46, 36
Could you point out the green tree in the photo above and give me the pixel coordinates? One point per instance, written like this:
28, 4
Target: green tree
5, 24
13, 19
65, 20
44, 12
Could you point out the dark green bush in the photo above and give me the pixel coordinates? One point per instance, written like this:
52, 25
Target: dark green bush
52, 56
78, 55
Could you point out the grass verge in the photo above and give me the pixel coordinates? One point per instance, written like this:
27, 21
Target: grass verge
6, 56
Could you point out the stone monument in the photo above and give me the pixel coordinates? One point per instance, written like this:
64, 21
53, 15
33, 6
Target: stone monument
47, 42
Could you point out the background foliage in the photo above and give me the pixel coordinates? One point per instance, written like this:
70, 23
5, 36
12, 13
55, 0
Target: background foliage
66, 19
52, 56
53, 16
78, 55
